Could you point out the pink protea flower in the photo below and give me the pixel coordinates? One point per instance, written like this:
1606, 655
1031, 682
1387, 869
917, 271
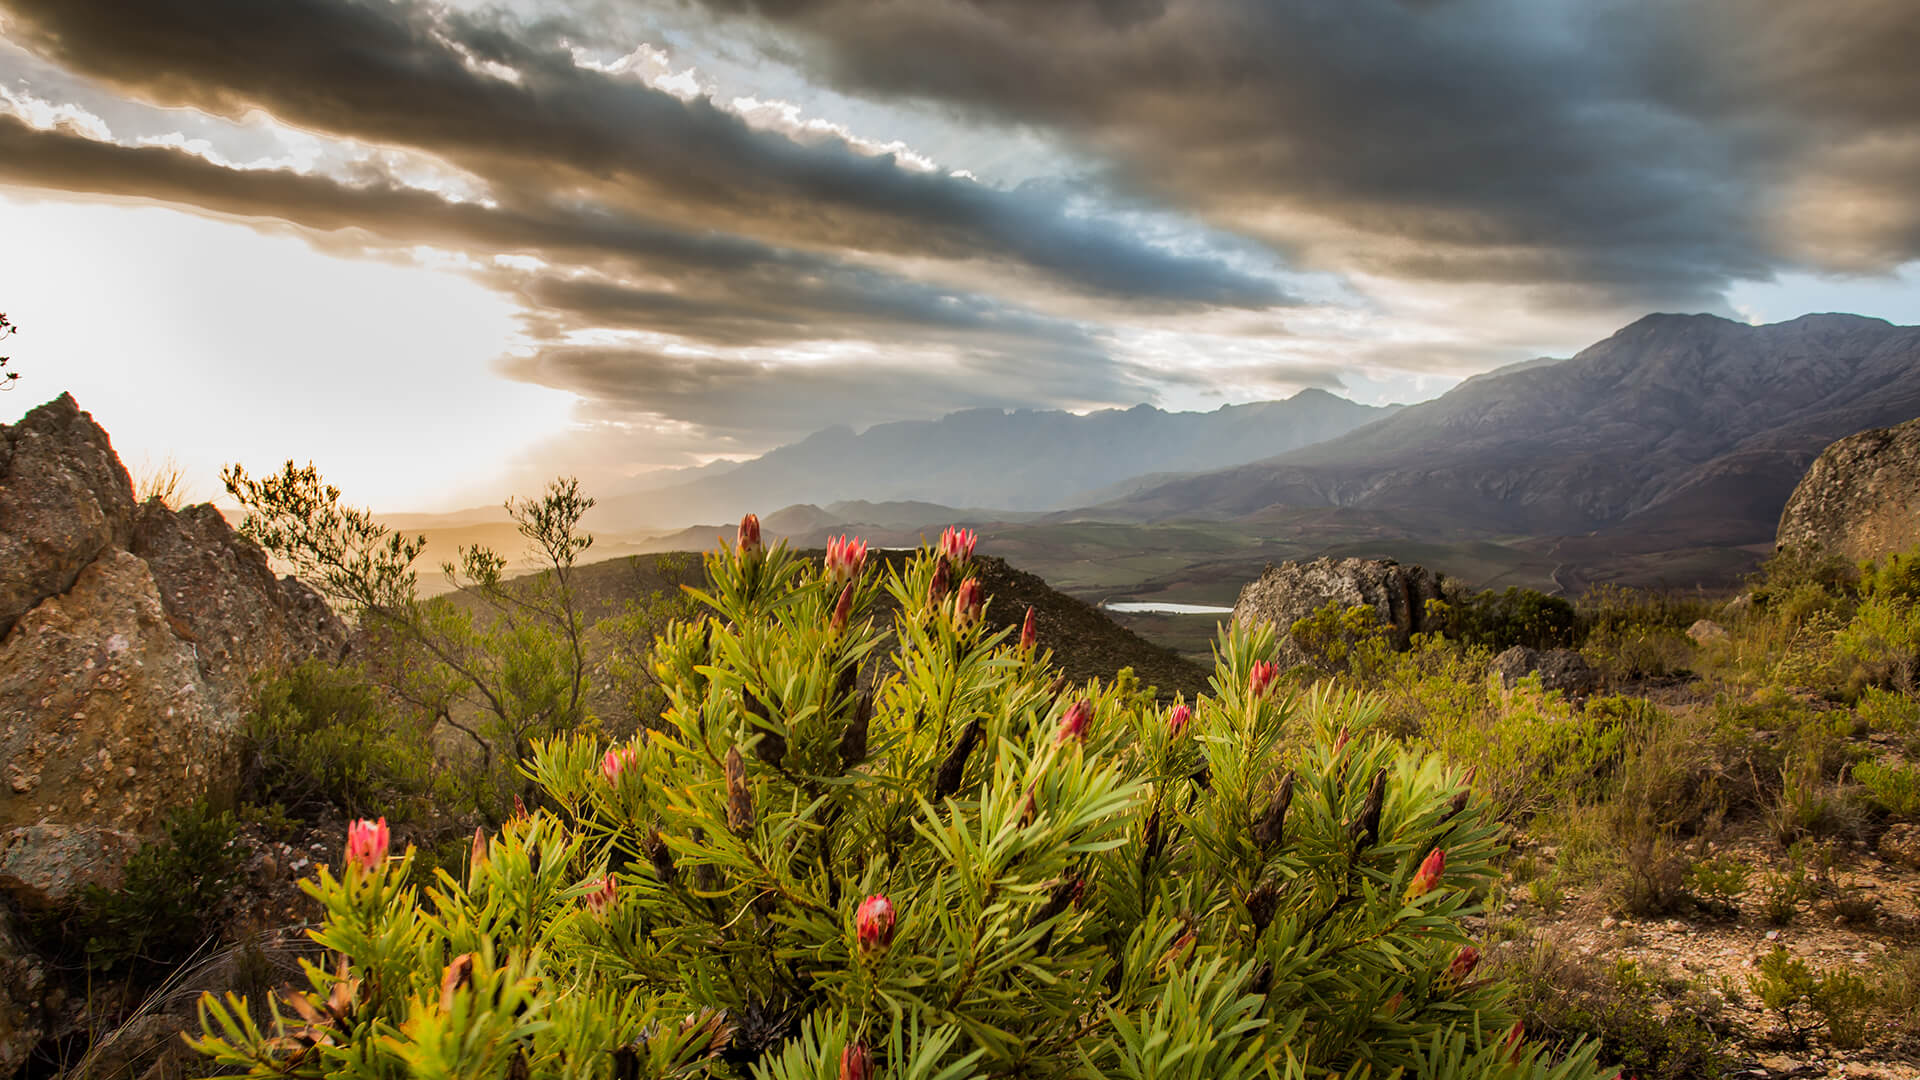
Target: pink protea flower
856, 1063
968, 604
1074, 724
1262, 676
1029, 634
842, 609
846, 555
1428, 876
957, 544
873, 923
747, 540
1464, 962
941, 581
601, 898
367, 843
1178, 719
617, 761
1516, 1041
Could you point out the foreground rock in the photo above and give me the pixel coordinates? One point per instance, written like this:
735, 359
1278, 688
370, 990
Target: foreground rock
132, 634
1287, 593
1559, 669
1861, 498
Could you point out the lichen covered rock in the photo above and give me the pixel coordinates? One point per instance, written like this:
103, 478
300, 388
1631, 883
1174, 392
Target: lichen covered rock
64, 499
1861, 497
1291, 591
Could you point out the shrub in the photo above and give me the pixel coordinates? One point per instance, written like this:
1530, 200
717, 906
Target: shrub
1894, 789
970, 869
1720, 882
1516, 616
1339, 640
320, 739
1646, 1023
168, 900
1803, 1001
1781, 894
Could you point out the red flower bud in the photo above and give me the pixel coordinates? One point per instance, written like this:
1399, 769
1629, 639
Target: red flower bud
842, 609
1029, 636
747, 540
1262, 676
601, 898
873, 923
845, 557
856, 1063
1340, 742
367, 844
1516, 1040
1177, 720
1464, 962
1074, 724
956, 545
617, 761
937, 588
967, 604
1428, 876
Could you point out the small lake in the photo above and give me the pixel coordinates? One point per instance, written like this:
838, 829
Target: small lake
1131, 607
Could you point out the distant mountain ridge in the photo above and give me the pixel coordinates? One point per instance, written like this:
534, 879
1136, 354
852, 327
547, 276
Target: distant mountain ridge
1022, 460
1682, 429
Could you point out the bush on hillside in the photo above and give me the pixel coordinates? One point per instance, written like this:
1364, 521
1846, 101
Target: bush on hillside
321, 740
1515, 616
970, 869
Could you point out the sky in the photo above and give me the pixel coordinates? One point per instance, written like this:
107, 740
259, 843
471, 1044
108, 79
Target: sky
447, 250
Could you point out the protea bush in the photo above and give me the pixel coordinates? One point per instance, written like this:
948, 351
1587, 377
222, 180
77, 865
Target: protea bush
911, 850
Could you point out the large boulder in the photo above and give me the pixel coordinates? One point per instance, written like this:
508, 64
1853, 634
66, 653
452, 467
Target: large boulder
1559, 669
1292, 591
64, 499
1861, 497
129, 639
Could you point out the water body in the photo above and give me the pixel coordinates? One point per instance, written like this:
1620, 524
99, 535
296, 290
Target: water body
1131, 607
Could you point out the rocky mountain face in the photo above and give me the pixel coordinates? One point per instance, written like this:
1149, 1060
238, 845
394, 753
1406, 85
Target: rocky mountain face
130, 635
1021, 460
1861, 498
1689, 429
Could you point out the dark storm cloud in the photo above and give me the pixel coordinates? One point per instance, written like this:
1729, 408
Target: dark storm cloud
756, 404
728, 291
405, 73
1637, 151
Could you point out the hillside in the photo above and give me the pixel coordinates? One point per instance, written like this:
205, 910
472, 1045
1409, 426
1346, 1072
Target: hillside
1021, 460
1677, 431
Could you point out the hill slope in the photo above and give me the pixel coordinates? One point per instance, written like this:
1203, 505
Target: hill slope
1679, 430
1020, 460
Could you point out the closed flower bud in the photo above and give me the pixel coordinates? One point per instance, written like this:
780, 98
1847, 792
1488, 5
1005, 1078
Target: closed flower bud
601, 898
856, 1063
853, 739
946, 779
1340, 743
457, 977
1178, 950
956, 545
1074, 724
845, 558
1366, 827
1262, 902
1029, 635
367, 843
873, 923
739, 799
842, 610
747, 540
1177, 720
1272, 826
1464, 962
659, 855
1428, 876
1028, 807
1261, 677
477, 855
968, 604
1262, 980
1516, 1041
938, 585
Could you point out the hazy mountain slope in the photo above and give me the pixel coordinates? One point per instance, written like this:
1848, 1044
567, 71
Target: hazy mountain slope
1686, 426
1020, 460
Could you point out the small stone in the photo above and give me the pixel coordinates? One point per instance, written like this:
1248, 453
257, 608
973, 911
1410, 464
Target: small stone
1773, 935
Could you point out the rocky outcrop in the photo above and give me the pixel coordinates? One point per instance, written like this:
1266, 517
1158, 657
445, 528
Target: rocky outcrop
1559, 669
1861, 498
132, 634
1292, 591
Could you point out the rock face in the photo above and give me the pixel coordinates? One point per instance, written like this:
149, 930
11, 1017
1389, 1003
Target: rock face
131, 634
1861, 498
1560, 669
1292, 591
